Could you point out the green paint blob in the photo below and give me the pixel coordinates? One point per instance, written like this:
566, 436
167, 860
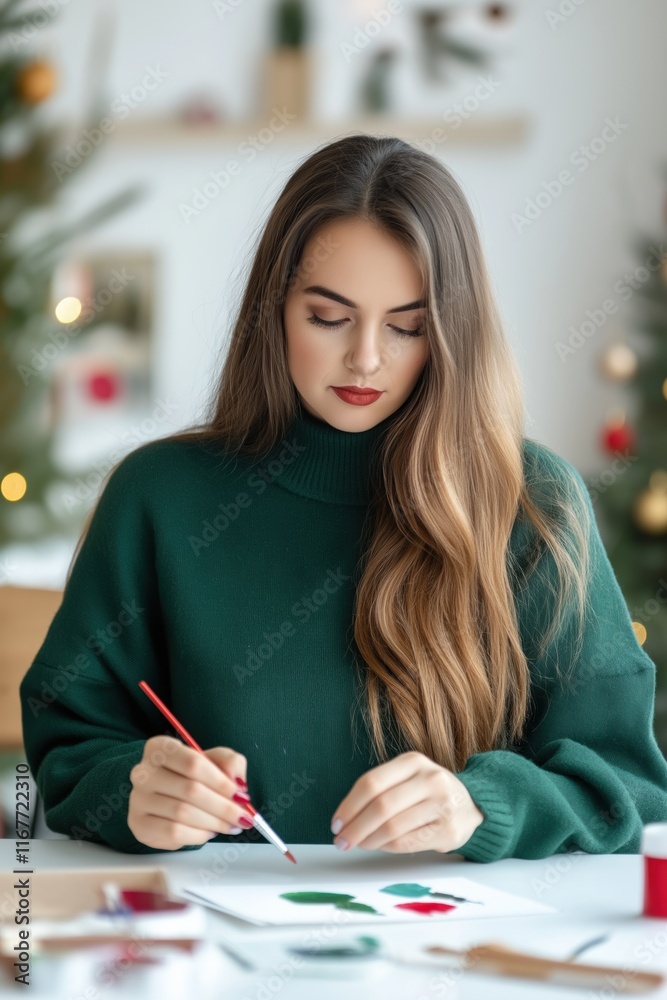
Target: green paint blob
366, 948
407, 889
341, 900
317, 897
415, 889
360, 907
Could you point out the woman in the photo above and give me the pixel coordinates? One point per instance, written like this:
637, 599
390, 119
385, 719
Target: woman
389, 611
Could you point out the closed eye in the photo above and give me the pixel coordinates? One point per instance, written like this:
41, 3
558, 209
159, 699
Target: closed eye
332, 324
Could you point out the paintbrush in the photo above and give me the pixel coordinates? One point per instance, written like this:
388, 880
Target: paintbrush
258, 820
493, 959
497, 959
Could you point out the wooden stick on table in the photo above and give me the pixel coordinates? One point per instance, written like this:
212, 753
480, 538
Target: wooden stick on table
499, 960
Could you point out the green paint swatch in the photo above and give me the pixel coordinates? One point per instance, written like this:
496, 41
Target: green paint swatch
366, 948
317, 897
407, 889
360, 907
341, 900
414, 889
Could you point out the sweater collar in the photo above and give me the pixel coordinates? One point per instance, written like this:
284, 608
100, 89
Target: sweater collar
319, 461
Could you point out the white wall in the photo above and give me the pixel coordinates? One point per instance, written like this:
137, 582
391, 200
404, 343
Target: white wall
602, 61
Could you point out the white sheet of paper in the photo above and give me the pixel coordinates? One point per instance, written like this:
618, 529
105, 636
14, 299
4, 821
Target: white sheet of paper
263, 905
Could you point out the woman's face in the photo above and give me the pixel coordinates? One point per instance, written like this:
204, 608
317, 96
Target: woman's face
362, 344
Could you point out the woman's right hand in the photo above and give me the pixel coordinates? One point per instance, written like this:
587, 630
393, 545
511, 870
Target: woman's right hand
180, 796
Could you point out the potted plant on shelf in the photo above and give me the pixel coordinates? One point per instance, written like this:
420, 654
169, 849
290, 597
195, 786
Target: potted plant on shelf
288, 66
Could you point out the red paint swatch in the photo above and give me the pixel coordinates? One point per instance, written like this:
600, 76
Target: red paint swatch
147, 901
425, 908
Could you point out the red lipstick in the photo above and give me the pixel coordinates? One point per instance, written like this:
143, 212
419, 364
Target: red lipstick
353, 394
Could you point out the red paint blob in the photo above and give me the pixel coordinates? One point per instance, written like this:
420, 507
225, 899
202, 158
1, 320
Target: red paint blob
425, 907
655, 886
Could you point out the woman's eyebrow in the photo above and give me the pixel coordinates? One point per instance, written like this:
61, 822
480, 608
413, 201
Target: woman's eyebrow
327, 292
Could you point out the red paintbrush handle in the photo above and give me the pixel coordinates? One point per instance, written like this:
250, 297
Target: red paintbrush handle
265, 828
147, 689
169, 716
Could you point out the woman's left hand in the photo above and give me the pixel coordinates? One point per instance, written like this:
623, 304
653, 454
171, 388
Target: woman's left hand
407, 804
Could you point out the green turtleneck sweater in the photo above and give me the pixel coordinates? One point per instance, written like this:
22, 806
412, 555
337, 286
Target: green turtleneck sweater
228, 584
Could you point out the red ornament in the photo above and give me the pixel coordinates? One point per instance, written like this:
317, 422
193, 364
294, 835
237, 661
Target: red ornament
618, 437
103, 386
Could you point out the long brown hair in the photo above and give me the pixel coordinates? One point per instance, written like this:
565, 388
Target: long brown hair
436, 622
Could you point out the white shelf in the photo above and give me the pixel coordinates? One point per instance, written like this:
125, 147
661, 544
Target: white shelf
155, 131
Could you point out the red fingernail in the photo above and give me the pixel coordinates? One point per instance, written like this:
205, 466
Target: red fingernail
244, 821
241, 782
242, 800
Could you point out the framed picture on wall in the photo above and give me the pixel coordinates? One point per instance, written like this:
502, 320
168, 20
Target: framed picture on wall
105, 370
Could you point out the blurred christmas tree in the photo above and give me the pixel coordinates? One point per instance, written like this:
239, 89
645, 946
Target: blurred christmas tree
631, 494
30, 251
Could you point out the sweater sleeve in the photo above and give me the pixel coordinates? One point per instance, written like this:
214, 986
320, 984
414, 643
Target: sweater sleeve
588, 773
85, 720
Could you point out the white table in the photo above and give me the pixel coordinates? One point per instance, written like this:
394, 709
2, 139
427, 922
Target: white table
593, 894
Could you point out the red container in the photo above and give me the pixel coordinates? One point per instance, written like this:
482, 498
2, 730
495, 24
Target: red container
654, 850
